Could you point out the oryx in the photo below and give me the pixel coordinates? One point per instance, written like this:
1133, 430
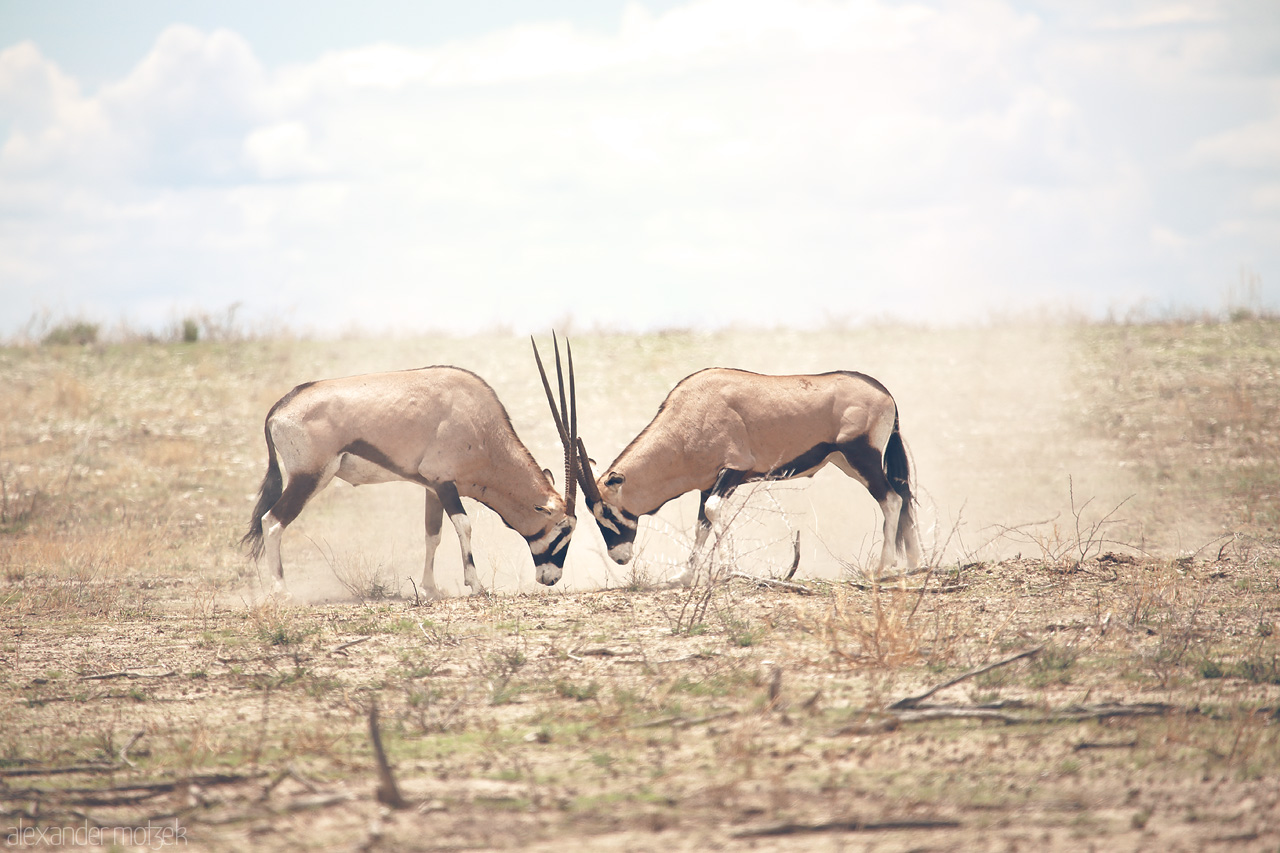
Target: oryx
720, 428
440, 427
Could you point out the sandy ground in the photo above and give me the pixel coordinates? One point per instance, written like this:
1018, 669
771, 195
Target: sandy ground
151, 687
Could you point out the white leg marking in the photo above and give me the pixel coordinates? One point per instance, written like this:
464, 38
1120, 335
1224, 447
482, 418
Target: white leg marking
911, 541
890, 506
462, 524
434, 519
273, 533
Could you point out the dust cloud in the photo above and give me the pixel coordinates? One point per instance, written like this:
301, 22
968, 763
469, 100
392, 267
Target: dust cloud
992, 418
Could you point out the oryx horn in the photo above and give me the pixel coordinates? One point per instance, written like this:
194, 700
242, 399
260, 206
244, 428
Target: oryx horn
567, 412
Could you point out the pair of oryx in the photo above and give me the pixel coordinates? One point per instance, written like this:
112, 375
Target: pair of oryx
445, 429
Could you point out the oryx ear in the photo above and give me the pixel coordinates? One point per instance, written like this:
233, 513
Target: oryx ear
615, 479
551, 478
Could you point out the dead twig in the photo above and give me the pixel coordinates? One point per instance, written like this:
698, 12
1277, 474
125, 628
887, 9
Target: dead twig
1083, 745
341, 650
913, 701
124, 750
388, 792
795, 560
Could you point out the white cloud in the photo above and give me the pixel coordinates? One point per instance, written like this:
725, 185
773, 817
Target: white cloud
723, 162
283, 150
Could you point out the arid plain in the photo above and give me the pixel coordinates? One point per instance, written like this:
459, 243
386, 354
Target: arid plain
1100, 505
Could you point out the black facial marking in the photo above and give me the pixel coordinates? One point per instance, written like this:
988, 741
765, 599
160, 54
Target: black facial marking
550, 552
620, 516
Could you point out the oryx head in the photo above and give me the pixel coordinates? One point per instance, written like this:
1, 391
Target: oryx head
604, 499
550, 547
616, 524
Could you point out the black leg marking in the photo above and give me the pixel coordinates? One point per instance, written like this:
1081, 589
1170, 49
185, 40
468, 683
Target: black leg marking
867, 461
449, 499
295, 496
725, 483
452, 503
434, 517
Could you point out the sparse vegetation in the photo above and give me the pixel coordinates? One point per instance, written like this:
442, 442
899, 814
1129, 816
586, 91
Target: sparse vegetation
1132, 704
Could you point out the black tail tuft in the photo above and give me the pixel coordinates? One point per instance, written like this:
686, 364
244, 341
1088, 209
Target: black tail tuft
268, 494
898, 470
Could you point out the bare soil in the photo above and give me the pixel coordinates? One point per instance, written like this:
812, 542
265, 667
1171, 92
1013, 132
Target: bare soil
1101, 514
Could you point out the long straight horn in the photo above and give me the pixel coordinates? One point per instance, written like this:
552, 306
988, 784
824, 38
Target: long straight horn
560, 415
578, 451
589, 487
570, 448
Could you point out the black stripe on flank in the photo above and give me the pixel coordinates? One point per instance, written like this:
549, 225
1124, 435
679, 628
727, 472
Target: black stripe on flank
862, 457
369, 453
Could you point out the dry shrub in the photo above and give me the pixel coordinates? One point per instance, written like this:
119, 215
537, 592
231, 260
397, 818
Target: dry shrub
883, 628
65, 576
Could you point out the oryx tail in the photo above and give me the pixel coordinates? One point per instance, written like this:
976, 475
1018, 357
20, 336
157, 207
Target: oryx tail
898, 469
270, 491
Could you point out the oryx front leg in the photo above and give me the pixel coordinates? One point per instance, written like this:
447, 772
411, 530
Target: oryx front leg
708, 511
452, 504
708, 508
434, 522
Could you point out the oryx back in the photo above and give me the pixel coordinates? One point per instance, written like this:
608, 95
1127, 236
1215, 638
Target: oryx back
759, 425
720, 427
440, 427
430, 425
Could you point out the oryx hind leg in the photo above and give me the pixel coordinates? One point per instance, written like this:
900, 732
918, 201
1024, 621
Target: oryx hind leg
298, 490
434, 523
908, 535
452, 504
864, 463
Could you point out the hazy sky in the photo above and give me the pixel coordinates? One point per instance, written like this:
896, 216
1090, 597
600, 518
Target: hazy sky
639, 165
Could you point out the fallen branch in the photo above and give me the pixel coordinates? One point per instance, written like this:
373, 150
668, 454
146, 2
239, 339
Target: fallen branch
128, 673
770, 582
913, 701
880, 582
123, 795
58, 771
601, 652
853, 825
893, 719
682, 722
